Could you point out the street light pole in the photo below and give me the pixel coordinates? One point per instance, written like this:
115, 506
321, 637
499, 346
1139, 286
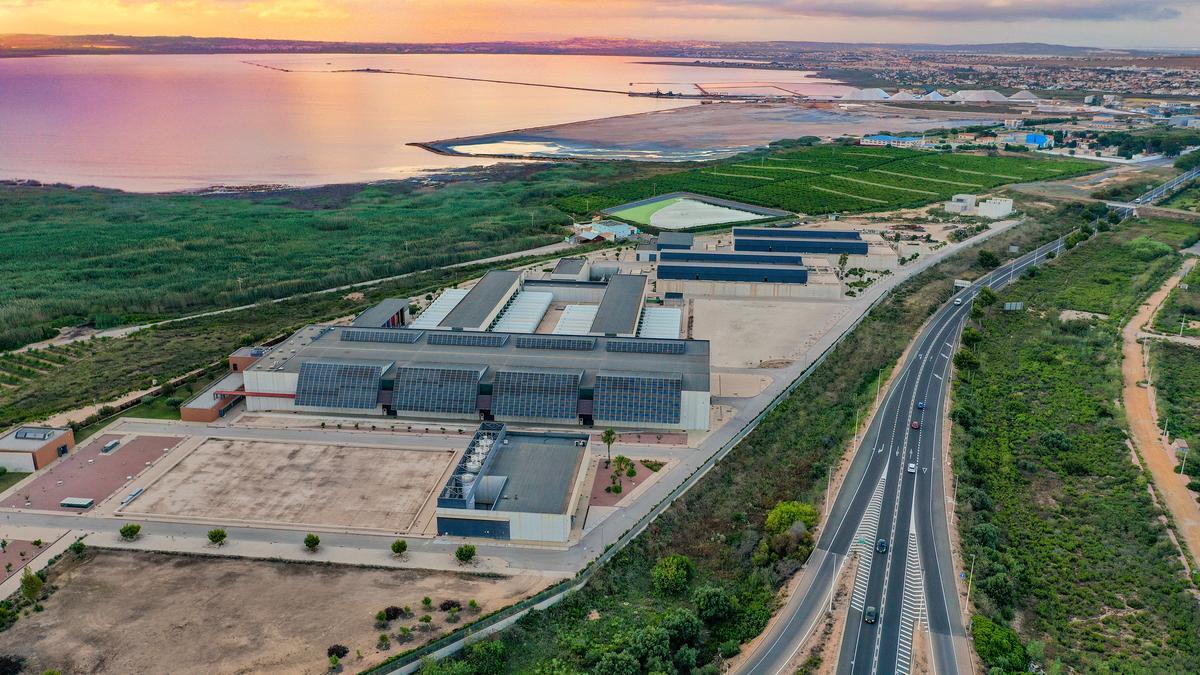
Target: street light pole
970, 578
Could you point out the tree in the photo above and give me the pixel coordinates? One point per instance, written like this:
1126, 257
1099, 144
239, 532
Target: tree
988, 260
78, 548
217, 537
617, 663
426, 622
399, 547
465, 553
784, 514
672, 573
971, 336
608, 438
131, 531
31, 585
337, 650
712, 603
311, 541
986, 298
965, 359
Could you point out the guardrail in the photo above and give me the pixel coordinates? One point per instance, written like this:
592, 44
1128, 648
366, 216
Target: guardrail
449, 644
1168, 187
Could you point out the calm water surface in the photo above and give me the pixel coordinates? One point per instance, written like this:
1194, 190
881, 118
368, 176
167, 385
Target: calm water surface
156, 123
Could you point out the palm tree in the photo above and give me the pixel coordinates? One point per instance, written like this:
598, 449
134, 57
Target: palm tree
608, 438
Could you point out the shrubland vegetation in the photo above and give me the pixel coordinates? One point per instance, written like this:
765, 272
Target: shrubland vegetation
1187, 198
1175, 369
98, 370
1066, 542
1182, 308
834, 178
107, 258
703, 578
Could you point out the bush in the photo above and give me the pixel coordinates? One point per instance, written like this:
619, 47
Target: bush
340, 651
131, 531
78, 548
486, 657
998, 646
392, 613
672, 573
447, 605
217, 537
712, 603
465, 553
786, 513
988, 260
312, 542
399, 547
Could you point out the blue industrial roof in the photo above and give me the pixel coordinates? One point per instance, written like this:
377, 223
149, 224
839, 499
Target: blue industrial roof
888, 138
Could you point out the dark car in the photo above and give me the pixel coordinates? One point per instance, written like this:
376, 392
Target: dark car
881, 546
916, 424
871, 615
920, 405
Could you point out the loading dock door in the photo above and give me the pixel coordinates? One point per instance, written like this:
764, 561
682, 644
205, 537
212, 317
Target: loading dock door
470, 527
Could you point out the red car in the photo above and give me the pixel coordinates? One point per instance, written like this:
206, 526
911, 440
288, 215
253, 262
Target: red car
915, 424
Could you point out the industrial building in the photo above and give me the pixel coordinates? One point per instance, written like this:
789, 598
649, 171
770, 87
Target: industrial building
783, 268
29, 448
798, 240
516, 486
893, 141
604, 381
969, 205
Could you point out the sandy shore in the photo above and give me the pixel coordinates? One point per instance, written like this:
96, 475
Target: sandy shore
699, 131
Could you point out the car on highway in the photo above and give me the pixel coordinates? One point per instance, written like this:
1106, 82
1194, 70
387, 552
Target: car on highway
881, 546
871, 615
916, 424
912, 468
957, 302
920, 405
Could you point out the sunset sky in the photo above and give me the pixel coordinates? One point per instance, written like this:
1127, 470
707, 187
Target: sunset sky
1115, 23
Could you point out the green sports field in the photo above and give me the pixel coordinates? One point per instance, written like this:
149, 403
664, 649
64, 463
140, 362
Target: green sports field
642, 214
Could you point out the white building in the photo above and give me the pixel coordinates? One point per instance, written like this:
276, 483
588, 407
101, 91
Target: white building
968, 205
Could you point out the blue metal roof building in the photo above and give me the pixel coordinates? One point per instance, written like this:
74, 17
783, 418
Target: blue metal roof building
748, 272
746, 257
794, 233
779, 244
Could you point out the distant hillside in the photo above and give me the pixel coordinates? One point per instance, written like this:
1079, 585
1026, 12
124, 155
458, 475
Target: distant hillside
33, 45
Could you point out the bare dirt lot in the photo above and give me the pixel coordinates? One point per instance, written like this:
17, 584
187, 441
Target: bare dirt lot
310, 484
126, 612
734, 326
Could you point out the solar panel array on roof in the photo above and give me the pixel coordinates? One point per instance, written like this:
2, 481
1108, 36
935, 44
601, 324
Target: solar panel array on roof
329, 384
439, 308
543, 394
467, 339
576, 320
794, 233
524, 313
446, 388
633, 397
648, 346
390, 335
560, 343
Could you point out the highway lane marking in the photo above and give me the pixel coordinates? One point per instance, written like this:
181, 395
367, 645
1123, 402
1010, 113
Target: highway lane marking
937, 376
912, 609
864, 543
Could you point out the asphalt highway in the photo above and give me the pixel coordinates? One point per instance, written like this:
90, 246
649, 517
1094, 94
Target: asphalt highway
910, 515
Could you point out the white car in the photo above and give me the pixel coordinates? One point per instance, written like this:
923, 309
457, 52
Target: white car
912, 468
957, 302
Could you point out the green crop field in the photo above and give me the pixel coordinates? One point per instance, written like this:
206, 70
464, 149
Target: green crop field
834, 178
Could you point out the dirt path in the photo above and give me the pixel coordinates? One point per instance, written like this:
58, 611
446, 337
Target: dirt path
1143, 420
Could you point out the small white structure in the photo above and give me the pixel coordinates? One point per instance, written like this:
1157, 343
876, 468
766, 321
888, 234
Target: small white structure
904, 96
1024, 95
969, 205
935, 96
994, 208
961, 204
866, 95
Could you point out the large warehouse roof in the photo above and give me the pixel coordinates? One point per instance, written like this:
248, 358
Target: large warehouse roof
525, 312
621, 306
439, 308
794, 233
492, 290
381, 314
576, 320
495, 351
661, 322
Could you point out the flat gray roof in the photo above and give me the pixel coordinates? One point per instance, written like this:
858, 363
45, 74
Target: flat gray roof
324, 343
489, 291
378, 315
569, 266
11, 440
540, 468
676, 238
621, 307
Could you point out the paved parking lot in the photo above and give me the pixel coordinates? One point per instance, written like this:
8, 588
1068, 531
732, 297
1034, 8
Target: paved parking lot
90, 474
